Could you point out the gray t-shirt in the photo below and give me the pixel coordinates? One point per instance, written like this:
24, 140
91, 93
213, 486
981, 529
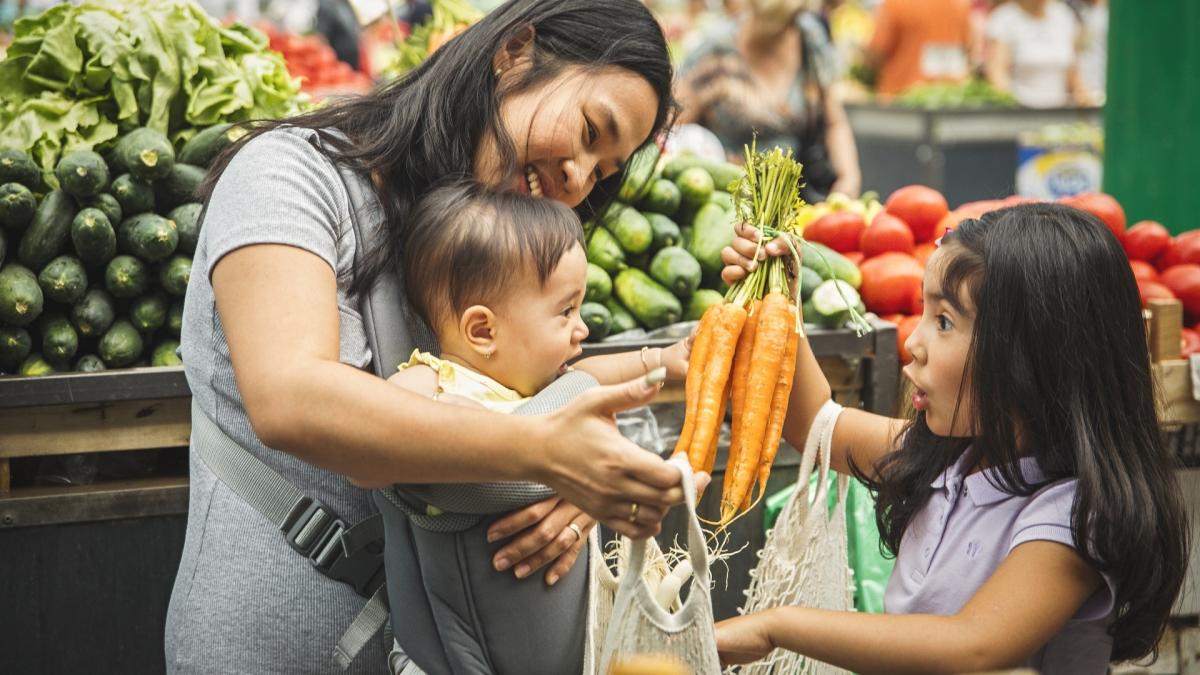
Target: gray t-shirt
244, 602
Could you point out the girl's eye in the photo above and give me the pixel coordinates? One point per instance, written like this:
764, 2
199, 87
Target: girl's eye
944, 323
592, 134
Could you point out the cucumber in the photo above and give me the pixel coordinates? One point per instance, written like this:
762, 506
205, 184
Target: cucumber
107, 204
148, 313
3, 247
93, 237
145, 153
175, 318
15, 345
204, 147
809, 280
17, 206
35, 366
666, 232
604, 251
699, 303
49, 231
599, 284
695, 187
712, 231
90, 363
93, 314
164, 354
722, 199
631, 230
187, 224
125, 277
810, 314
663, 197
639, 173
59, 340
639, 260
180, 186
121, 345
175, 275
652, 305
832, 301
63, 279
622, 320
82, 173
722, 173
149, 236
676, 269
830, 264
135, 196
598, 319
20, 296
18, 167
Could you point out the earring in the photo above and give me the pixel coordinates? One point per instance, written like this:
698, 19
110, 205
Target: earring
487, 355
499, 72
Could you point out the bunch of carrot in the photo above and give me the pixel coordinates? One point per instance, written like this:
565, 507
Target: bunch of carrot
745, 349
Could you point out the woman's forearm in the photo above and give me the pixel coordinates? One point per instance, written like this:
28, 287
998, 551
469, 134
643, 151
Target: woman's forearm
843, 152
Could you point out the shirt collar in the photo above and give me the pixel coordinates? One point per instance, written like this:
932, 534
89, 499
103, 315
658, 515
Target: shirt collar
979, 486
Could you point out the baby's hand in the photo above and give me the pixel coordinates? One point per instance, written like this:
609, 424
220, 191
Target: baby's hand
675, 358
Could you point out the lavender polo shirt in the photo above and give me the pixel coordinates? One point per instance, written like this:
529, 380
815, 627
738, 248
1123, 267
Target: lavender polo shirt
960, 537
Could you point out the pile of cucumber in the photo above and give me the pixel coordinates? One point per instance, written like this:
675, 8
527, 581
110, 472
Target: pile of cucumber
95, 259
654, 257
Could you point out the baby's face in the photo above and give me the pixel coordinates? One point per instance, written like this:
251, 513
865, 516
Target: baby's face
539, 328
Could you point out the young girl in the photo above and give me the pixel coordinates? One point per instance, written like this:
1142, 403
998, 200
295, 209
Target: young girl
1030, 502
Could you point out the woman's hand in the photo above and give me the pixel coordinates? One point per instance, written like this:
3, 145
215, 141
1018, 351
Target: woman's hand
744, 639
590, 464
543, 535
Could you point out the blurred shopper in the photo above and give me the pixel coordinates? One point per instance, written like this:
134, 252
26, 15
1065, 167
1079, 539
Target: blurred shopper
1093, 54
773, 73
920, 41
1032, 52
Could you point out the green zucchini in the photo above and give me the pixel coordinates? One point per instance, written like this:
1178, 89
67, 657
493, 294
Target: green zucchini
676, 269
18, 167
17, 206
204, 147
63, 279
20, 296
631, 229
164, 354
622, 320
148, 313
35, 366
149, 236
666, 232
135, 196
599, 284
90, 363
663, 197
125, 277
59, 340
604, 251
652, 305
93, 237
639, 173
699, 303
187, 224
121, 345
180, 186
598, 320
832, 301
3, 247
82, 173
15, 345
175, 318
107, 204
94, 313
175, 275
146, 153
49, 231
712, 231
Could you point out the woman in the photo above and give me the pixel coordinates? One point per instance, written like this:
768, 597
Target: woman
540, 96
1033, 53
774, 73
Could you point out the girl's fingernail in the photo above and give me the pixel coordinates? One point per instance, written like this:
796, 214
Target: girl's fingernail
522, 571
551, 579
502, 564
656, 377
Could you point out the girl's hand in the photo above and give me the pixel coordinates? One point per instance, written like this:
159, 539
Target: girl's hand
543, 535
675, 358
590, 464
739, 255
744, 639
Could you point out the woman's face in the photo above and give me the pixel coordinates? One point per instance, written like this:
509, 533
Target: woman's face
570, 132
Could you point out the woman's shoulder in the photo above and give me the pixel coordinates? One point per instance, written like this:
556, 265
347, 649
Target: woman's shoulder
287, 146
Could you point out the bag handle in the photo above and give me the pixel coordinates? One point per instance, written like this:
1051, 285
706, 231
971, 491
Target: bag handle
818, 451
697, 551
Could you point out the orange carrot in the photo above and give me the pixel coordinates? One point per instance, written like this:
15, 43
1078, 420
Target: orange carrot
695, 375
770, 343
779, 404
738, 378
711, 458
726, 328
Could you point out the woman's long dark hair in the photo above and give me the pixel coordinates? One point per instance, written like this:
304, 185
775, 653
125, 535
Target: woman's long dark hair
1059, 370
425, 127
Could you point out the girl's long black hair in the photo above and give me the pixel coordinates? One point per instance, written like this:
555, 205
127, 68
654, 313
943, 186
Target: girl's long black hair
424, 127
1059, 370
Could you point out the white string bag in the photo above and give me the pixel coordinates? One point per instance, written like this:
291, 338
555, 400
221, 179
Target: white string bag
641, 625
805, 561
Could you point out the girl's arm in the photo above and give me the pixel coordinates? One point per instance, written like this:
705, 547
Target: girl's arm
860, 437
625, 366
1028, 599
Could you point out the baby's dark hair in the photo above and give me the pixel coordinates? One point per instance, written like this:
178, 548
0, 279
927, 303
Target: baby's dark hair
467, 243
1058, 369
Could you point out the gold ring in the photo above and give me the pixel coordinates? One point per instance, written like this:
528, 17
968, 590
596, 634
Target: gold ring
577, 530
633, 509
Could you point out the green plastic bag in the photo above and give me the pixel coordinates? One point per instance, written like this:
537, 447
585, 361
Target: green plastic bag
871, 568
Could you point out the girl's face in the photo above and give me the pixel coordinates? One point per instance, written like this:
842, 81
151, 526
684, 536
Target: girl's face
538, 327
571, 132
939, 347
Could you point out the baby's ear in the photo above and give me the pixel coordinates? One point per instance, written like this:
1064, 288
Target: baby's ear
478, 328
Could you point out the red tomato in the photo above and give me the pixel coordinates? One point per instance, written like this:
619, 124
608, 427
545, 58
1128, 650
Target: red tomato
855, 257
1189, 342
1152, 290
889, 282
841, 230
903, 331
1143, 271
887, 233
1184, 249
923, 251
920, 207
1184, 281
1103, 206
1146, 241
